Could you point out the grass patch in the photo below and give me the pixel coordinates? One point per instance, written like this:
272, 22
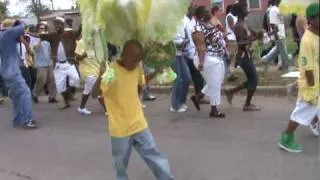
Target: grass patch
259, 46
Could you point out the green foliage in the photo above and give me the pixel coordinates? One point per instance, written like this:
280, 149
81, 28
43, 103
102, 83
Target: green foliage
3, 9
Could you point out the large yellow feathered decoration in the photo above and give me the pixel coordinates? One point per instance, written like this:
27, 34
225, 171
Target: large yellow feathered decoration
144, 20
298, 7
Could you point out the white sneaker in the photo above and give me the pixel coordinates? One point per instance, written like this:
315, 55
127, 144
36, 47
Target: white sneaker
172, 110
184, 106
84, 111
144, 106
180, 110
315, 129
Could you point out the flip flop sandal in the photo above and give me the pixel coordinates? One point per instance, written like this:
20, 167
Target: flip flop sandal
251, 108
217, 115
195, 102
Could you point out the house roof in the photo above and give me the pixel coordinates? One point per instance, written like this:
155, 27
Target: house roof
60, 13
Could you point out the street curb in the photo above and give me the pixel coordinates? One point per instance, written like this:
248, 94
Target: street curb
261, 90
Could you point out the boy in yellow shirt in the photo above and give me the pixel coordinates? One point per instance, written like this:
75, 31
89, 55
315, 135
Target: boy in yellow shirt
127, 124
308, 105
89, 70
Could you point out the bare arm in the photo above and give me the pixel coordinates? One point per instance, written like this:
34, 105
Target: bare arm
230, 22
310, 78
28, 48
199, 41
151, 76
274, 30
46, 37
80, 57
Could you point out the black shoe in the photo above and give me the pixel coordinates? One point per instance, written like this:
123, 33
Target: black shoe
53, 100
35, 99
217, 115
30, 125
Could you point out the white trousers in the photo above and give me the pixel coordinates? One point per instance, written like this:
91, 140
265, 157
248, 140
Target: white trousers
63, 71
304, 113
213, 73
88, 85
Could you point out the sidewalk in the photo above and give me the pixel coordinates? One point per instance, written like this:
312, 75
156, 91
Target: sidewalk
265, 90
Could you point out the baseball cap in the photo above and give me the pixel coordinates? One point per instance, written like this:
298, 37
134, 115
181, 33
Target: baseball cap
312, 10
59, 19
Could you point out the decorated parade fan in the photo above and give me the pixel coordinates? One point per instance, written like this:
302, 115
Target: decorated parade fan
298, 7
153, 23
101, 55
166, 77
159, 55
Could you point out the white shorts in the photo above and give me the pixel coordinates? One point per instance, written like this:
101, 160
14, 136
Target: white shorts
304, 113
89, 83
63, 71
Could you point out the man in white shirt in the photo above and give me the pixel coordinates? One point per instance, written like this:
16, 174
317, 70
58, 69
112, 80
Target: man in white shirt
231, 20
181, 84
277, 27
190, 23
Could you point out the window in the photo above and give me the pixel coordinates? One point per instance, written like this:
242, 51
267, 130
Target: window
254, 4
219, 3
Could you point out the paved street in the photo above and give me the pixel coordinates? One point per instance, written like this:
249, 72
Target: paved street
243, 146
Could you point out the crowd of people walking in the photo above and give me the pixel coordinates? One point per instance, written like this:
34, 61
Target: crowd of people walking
208, 51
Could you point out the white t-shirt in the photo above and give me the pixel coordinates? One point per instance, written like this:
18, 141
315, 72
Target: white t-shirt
276, 18
231, 35
22, 51
191, 48
61, 53
180, 37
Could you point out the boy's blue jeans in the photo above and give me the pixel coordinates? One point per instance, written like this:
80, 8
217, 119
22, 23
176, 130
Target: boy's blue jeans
145, 145
180, 86
22, 101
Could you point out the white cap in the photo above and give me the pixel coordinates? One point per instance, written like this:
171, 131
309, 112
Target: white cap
61, 19
44, 23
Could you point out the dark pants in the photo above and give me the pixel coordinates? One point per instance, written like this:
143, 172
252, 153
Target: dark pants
26, 74
296, 53
33, 75
195, 76
250, 71
3, 88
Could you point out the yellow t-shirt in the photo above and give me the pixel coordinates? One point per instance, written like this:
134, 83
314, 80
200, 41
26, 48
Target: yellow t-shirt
88, 66
122, 100
309, 61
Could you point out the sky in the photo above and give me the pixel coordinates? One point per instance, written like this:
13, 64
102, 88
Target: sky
17, 7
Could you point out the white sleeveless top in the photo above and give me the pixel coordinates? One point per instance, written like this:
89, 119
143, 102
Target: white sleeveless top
231, 35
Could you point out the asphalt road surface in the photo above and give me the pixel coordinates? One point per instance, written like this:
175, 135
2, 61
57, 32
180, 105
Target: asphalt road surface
243, 146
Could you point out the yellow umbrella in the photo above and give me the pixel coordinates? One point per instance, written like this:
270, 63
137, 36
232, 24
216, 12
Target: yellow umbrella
298, 7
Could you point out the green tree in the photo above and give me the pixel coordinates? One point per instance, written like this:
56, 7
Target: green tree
3, 9
36, 7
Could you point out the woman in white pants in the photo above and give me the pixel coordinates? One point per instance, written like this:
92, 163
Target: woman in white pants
210, 45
